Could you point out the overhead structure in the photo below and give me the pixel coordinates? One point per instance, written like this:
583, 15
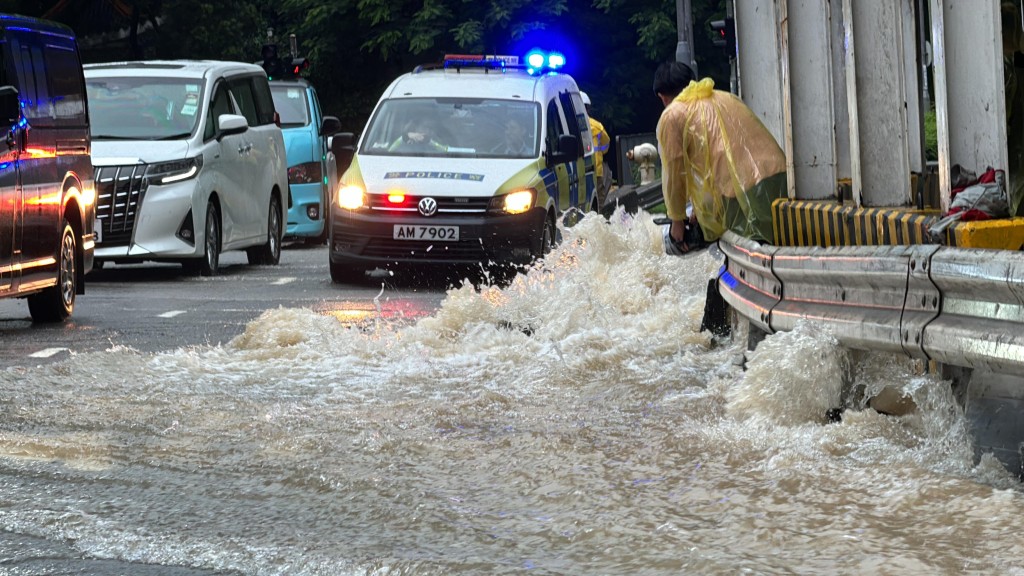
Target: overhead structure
842, 85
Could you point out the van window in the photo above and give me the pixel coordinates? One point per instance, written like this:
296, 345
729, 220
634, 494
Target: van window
453, 127
264, 101
290, 102
318, 116
144, 107
555, 127
241, 90
580, 111
221, 104
3, 64
577, 120
66, 86
31, 81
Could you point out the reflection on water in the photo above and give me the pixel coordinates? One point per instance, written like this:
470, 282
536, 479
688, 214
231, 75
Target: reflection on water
574, 422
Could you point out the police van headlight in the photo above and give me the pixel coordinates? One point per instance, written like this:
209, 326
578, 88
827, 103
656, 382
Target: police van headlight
351, 197
513, 203
176, 171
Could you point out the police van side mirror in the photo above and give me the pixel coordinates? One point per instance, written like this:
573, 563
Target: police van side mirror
568, 150
343, 148
231, 124
10, 108
330, 126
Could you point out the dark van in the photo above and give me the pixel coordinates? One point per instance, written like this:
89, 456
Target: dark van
47, 198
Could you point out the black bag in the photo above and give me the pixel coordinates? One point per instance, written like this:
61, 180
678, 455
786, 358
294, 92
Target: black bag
715, 318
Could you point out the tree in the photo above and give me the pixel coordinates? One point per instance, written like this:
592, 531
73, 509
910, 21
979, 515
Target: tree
357, 47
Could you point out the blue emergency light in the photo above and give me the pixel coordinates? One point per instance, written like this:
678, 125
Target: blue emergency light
540, 61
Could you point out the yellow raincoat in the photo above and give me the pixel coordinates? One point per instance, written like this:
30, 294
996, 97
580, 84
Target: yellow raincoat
718, 155
601, 143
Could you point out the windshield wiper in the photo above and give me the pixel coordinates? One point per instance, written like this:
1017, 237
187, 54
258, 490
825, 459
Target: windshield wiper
173, 136
112, 137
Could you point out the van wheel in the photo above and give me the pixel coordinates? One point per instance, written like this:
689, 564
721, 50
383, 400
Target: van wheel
56, 303
547, 238
269, 253
209, 264
341, 274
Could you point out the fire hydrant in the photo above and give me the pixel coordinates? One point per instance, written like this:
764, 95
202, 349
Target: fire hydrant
646, 155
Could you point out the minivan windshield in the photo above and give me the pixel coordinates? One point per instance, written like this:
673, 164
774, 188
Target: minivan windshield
143, 108
454, 127
290, 102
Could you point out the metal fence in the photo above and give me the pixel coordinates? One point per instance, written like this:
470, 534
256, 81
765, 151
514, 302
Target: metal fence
963, 307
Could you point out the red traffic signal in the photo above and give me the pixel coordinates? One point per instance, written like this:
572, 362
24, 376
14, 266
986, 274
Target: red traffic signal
724, 35
298, 65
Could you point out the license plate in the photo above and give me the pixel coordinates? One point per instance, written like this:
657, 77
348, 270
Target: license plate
435, 233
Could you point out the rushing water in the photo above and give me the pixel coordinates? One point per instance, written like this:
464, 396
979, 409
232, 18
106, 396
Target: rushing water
575, 422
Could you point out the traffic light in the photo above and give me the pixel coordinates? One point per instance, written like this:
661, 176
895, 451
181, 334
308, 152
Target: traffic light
297, 65
272, 63
724, 35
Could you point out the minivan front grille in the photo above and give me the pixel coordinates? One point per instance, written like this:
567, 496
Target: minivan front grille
119, 192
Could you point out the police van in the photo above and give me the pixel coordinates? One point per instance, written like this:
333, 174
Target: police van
470, 161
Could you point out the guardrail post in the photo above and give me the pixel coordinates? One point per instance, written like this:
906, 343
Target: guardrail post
922, 301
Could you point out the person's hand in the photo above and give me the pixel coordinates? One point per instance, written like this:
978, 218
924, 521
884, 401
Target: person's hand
678, 234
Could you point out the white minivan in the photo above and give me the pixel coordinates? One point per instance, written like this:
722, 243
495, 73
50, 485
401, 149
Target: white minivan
189, 162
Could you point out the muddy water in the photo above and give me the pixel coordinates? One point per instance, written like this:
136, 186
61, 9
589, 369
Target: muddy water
575, 422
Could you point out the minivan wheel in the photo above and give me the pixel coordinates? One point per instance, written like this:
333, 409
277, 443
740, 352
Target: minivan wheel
269, 253
209, 264
56, 303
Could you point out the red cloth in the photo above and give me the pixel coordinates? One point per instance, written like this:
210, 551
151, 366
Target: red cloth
988, 177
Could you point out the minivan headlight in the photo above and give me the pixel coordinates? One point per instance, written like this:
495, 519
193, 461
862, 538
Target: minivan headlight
174, 171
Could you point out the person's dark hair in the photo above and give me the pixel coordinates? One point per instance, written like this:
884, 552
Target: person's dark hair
671, 77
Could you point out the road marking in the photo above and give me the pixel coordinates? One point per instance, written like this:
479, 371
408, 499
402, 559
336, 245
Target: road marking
46, 352
171, 314
282, 281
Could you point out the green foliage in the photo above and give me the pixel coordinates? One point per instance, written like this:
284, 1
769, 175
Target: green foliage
931, 136
357, 47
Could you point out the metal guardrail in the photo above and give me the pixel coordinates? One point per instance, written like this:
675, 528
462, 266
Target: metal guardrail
962, 307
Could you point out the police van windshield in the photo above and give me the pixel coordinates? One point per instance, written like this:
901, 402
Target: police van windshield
139, 108
454, 128
290, 102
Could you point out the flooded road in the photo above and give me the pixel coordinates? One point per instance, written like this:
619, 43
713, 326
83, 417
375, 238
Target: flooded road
574, 422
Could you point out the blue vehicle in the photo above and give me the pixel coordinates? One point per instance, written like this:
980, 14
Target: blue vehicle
305, 130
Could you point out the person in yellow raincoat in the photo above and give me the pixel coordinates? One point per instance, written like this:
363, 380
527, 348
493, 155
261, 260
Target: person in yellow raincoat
602, 176
718, 156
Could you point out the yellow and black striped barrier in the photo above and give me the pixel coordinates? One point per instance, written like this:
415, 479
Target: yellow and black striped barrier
827, 223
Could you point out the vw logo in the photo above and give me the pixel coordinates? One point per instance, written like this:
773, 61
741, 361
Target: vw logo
427, 206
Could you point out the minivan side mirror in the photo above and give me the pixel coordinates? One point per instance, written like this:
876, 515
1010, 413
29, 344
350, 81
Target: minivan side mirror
10, 107
568, 150
231, 124
330, 126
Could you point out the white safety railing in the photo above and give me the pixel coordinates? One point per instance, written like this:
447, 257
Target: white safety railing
963, 307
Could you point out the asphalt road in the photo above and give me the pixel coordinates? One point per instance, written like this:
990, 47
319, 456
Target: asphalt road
153, 307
